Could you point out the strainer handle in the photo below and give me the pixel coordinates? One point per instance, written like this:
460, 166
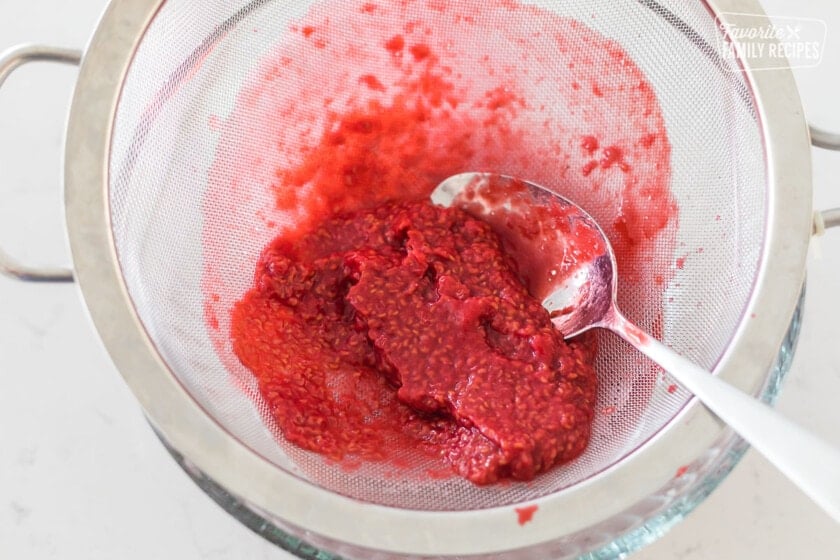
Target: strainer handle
810, 463
10, 61
822, 138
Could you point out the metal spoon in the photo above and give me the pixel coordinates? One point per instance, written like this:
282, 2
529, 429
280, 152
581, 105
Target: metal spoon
586, 298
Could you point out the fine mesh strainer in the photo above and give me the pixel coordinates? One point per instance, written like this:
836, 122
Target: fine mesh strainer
171, 170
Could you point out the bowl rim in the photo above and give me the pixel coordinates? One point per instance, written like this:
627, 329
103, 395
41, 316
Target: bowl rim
190, 430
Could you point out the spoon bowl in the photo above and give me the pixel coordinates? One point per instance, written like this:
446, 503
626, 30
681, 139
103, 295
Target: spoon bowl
575, 277
583, 289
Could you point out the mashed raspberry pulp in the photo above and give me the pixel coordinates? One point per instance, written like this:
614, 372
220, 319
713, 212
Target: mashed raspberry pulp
407, 324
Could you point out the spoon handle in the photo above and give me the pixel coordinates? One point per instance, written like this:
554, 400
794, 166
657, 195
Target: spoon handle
810, 463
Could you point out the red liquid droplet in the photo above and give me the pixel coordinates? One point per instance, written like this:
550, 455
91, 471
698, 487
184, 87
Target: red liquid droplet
372, 82
525, 514
395, 44
419, 52
647, 140
589, 144
612, 155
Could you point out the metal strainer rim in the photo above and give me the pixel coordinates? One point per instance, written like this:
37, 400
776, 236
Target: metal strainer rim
192, 432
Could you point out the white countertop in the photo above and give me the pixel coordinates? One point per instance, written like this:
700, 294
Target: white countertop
82, 476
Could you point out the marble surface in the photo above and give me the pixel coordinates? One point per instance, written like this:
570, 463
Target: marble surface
83, 477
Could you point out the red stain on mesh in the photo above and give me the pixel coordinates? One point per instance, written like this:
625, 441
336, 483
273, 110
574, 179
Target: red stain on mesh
389, 147
501, 97
210, 316
672, 388
372, 82
589, 144
525, 514
647, 140
612, 155
395, 44
420, 52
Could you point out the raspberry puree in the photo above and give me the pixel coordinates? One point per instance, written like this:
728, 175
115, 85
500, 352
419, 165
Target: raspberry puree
423, 301
356, 115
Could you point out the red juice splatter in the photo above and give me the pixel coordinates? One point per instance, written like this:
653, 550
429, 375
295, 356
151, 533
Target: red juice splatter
501, 97
395, 44
372, 82
647, 140
589, 144
612, 155
210, 316
419, 52
525, 514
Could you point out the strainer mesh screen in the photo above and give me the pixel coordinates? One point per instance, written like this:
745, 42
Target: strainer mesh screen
194, 156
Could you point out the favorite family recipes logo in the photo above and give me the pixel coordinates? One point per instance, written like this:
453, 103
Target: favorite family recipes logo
767, 43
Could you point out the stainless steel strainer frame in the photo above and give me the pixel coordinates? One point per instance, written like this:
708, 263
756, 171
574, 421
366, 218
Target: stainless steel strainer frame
190, 430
